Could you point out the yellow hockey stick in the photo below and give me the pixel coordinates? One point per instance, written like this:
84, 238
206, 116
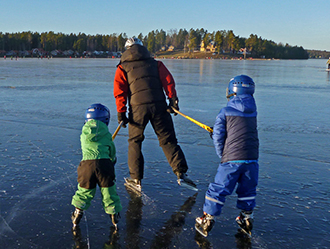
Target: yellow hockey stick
117, 130
205, 127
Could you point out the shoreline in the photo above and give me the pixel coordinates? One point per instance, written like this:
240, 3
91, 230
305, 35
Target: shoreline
155, 57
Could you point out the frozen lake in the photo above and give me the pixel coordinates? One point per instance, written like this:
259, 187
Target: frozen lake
42, 113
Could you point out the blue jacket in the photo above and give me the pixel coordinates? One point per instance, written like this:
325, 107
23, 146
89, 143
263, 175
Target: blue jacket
235, 134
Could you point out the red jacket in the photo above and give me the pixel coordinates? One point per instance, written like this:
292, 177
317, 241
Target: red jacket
120, 88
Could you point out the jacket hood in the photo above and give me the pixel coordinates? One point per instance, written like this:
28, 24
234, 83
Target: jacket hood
244, 103
135, 53
94, 130
96, 141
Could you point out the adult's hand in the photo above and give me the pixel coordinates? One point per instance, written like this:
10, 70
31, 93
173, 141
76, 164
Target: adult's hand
122, 117
173, 102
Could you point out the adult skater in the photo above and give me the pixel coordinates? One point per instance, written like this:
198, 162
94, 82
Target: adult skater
140, 81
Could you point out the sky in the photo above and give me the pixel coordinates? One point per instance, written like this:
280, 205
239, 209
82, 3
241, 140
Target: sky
296, 22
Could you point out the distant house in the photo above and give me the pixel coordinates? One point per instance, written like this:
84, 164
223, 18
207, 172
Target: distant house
38, 51
11, 53
55, 52
68, 52
24, 53
242, 51
170, 48
211, 47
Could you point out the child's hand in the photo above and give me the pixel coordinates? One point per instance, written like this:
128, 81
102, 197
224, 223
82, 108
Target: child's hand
211, 134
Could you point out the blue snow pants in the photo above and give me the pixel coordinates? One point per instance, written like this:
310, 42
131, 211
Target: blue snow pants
229, 174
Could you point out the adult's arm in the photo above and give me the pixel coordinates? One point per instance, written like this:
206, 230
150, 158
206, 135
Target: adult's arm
120, 89
167, 80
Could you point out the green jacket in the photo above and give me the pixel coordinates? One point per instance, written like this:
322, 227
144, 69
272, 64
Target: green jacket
96, 141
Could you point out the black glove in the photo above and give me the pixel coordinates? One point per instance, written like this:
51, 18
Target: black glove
211, 134
174, 102
122, 117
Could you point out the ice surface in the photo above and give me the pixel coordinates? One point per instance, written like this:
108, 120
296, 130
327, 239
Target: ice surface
43, 103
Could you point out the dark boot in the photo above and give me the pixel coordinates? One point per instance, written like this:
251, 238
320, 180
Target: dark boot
76, 216
185, 181
204, 224
134, 184
245, 221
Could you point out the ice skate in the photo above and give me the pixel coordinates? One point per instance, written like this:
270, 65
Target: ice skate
184, 181
245, 221
76, 217
204, 224
115, 219
133, 184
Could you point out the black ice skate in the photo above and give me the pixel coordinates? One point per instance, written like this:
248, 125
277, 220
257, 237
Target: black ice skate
204, 224
133, 184
115, 219
76, 217
184, 181
245, 221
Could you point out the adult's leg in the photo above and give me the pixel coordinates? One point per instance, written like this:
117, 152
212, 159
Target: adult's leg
162, 124
139, 118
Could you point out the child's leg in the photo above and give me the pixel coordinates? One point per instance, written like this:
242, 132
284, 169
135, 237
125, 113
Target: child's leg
83, 197
106, 181
110, 200
247, 186
224, 184
87, 185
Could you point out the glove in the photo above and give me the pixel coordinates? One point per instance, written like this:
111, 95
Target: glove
174, 102
122, 117
211, 134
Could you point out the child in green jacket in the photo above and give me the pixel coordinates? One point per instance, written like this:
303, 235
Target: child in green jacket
96, 166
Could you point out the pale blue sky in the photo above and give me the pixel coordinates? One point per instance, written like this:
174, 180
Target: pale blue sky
296, 22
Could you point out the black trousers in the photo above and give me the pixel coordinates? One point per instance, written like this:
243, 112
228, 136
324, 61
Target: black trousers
162, 124
96, 172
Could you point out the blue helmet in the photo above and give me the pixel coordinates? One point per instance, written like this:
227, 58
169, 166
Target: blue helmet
241, 84
97, 112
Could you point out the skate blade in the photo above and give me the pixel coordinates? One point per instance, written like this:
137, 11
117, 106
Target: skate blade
187, 185
201, 231
132, 187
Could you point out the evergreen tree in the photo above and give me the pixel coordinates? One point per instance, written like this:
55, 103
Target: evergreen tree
151, 42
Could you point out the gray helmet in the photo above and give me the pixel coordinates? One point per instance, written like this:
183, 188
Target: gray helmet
131, 41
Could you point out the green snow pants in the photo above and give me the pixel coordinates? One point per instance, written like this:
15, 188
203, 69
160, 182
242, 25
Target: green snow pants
90, 174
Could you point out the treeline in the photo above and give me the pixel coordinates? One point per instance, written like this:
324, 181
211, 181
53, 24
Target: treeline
317, 54
156, 40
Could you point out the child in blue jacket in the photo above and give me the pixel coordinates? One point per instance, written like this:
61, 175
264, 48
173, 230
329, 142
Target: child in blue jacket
236, 142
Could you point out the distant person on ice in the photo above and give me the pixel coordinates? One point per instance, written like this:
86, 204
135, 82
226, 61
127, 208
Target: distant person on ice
328, 63
96, 166
236, 142
141, 82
